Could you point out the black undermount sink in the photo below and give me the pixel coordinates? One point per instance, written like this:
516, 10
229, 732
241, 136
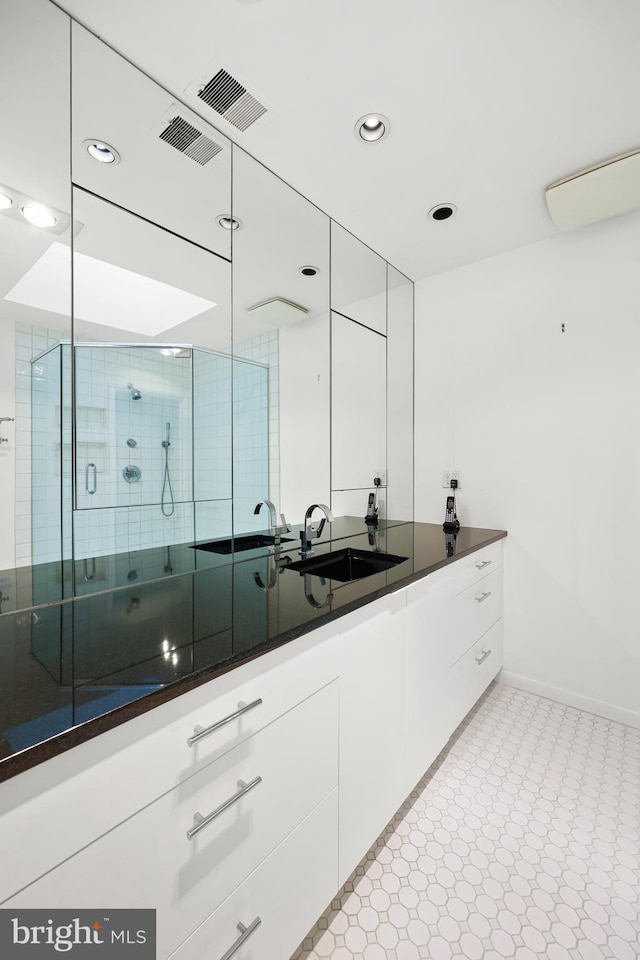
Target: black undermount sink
252, 541
346, 565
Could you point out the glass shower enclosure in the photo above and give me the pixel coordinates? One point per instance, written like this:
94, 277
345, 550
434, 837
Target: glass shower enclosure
144, 449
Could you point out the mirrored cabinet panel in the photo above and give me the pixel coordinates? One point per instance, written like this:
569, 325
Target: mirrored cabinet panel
359, 408
358, 280
151, 350
35, 226
135, 145
399, 395
280, 326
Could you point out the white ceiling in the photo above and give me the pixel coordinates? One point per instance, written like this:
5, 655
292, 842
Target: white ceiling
489, 102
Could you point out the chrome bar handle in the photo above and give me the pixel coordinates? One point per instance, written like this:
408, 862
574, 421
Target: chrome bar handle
94, 486
200, 822
200, 733
485, 654
483, 596
245, 933
481, 564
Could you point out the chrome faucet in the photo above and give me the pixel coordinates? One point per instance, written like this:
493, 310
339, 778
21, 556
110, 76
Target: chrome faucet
273, 515
309, 532
274, 530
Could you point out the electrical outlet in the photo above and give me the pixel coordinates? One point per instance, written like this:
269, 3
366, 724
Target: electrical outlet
383, 477
448, 476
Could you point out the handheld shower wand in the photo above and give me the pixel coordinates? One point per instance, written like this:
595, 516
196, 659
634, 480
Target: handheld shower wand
169, 508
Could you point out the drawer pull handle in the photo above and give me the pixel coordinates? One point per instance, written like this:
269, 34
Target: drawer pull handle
483, 596
245, 933
485, 654
481, 564
200, 733
200, 822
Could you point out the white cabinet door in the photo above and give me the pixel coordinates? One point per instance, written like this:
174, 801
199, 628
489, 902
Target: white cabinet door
372, 725
148, 861
279, 903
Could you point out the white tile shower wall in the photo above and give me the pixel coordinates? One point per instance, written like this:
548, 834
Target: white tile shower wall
256, 432
211, 426
107, 415
522, 841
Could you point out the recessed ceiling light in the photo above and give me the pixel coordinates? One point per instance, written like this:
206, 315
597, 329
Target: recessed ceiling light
442, 211
101, 151
5, 201
372, 128
227, 222
38, 215
309, 271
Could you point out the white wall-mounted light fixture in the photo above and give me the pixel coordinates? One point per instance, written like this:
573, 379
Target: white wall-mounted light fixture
38, 215
600, 192
372, 128
101, 151
20, 206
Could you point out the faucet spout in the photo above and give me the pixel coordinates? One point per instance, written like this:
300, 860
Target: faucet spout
273, 515
310, 532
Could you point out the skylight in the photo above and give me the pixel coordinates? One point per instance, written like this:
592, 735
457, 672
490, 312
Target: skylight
105, 294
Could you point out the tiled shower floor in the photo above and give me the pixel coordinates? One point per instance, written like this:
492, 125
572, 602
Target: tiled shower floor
522, 840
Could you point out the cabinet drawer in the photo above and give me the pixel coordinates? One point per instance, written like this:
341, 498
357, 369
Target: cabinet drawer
148, 861
472, 674
472, 612
466, 571
287, 893
50, 812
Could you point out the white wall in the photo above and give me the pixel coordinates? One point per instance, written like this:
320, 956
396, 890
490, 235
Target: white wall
545, 428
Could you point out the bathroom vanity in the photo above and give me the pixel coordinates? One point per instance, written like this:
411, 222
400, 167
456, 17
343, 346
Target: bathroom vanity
236, 798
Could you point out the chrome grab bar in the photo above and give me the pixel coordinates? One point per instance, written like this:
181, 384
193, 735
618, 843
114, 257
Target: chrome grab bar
94, 486
200, 822
485, 654
200, 733
482, 563
483, 596
245, 933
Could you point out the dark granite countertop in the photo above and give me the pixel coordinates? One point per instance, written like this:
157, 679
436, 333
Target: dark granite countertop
70, 670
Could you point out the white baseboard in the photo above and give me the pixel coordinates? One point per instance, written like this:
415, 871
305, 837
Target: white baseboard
601, 709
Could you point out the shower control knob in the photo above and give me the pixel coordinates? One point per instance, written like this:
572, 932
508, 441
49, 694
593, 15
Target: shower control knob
132, 474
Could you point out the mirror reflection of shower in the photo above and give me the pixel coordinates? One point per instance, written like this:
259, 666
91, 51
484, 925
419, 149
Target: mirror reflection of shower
167, 503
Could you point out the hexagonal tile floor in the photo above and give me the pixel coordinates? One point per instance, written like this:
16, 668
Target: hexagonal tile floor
522, 840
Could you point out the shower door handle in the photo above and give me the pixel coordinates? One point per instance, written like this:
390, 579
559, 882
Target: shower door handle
91, 478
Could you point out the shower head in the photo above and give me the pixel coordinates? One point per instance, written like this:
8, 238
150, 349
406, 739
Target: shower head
135, 393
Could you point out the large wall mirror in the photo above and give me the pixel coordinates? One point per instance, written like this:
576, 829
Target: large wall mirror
168, 409
151, 351
35, 219
281, 323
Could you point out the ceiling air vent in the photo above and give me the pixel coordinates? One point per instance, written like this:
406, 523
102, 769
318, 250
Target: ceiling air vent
226, 95
189, 140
